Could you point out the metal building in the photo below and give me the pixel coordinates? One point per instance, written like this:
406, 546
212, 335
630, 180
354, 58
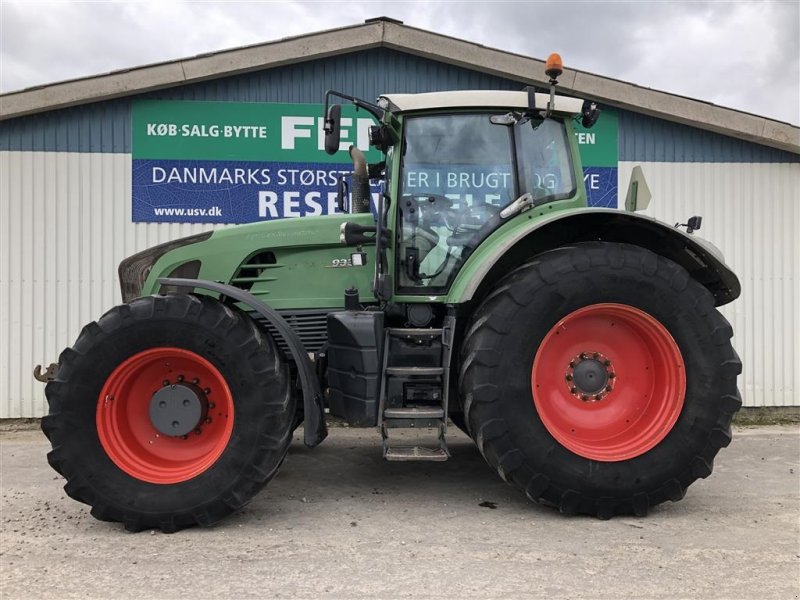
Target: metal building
66, 181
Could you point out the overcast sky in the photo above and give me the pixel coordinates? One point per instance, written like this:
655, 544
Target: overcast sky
741, 54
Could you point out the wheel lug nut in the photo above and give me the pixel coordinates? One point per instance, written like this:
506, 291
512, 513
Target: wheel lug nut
584, 397
583, 356
611, 375
573, 390
598, 397
608, 388
184, 437
607, 362
596, 355
211, 405
207, 391
569, 377
180, 378
166, 382
572, 364
195, 381
208, 420
197, 431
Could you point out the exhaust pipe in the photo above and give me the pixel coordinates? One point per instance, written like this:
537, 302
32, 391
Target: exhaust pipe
361, 202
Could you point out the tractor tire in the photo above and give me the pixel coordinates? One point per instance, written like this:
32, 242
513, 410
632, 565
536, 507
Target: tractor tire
599, 379
223, 385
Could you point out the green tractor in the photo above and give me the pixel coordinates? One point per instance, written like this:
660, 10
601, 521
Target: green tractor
580, 348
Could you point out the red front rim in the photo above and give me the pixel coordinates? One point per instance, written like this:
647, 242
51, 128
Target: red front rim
131, 440
608, 382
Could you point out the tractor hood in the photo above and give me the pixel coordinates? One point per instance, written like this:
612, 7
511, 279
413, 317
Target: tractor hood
289, 263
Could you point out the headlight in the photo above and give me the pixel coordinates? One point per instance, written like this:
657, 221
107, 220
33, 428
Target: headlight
133, 271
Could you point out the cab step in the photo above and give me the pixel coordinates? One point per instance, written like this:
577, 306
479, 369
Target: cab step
416, 453
417, 412
413, 332
415, 371
415, 397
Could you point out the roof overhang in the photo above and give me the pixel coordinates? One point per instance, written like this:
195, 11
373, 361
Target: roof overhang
391, 34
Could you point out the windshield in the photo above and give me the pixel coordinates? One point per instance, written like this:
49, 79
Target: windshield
458, 173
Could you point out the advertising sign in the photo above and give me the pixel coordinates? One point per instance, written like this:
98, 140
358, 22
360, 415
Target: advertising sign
223, 162
599, 155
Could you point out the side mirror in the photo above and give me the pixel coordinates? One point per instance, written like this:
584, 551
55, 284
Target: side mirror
590, 114
341, 190
638, 196
333, 132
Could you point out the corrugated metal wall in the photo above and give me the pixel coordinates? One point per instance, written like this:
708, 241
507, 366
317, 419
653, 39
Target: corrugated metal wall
646, 138
70, 224
752, 213
65, 223
106, 126
65, 212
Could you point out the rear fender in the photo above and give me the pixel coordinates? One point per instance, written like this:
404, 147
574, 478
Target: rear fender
524, 238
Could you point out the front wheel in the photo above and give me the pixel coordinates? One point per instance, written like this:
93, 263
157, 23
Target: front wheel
600, 378
168, 412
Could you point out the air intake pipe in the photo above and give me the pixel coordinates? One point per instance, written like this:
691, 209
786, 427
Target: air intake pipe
361, 196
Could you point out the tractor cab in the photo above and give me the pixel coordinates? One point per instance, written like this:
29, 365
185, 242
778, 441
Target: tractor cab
459, 175
458, 166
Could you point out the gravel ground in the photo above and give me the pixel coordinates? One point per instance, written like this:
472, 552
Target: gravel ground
340, 522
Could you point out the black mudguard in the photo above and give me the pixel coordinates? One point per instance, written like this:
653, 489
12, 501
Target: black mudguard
314, 428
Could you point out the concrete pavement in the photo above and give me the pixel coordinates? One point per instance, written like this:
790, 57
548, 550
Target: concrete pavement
340, 522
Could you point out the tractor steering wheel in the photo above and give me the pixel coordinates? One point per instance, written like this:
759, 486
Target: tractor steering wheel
429, 204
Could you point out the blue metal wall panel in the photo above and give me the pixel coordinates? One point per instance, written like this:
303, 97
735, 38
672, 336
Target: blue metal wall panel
99, 127
647, 139
105, 126
365, 74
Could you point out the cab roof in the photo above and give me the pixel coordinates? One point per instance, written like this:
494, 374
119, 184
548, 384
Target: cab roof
478, 98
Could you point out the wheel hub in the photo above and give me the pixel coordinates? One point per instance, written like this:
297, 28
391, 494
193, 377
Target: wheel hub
178, 409
590, 376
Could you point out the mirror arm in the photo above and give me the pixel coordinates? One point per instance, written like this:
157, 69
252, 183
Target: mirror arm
373, 109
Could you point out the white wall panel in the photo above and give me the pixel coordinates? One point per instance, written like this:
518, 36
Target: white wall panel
65, 223
751, 211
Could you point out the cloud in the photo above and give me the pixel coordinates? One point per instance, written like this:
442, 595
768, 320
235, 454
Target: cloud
741, 54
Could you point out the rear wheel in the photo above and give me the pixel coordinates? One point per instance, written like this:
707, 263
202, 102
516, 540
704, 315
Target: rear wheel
168, 412
600, 378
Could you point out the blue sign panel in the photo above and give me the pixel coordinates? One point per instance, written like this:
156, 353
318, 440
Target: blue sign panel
214, 191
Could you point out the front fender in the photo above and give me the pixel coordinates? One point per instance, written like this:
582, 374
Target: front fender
530, 234
315, 429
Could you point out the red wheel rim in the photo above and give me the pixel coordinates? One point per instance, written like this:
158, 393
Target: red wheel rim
642, 393
130, 439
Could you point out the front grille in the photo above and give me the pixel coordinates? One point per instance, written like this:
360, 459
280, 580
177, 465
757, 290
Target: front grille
311, 325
